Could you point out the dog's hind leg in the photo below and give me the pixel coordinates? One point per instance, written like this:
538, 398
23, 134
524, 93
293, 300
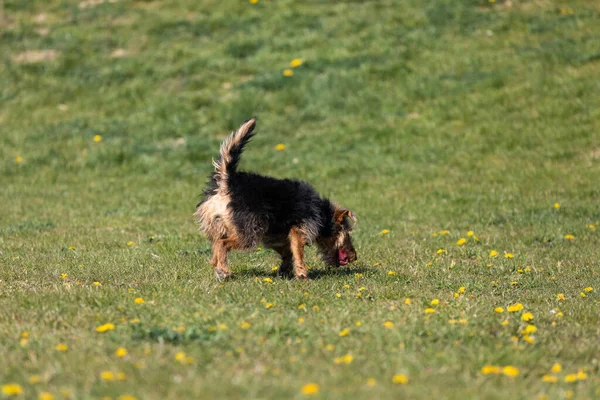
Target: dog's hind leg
297, 243
219, 259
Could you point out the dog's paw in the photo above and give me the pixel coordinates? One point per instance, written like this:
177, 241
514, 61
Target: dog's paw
222, 274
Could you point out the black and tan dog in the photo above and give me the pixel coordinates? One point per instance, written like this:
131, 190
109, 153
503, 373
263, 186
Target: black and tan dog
241, 210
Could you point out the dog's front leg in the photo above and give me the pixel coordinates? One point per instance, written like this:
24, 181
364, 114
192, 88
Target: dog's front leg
297, 244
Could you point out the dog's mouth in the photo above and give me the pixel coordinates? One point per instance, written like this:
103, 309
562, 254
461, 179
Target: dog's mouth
342, 257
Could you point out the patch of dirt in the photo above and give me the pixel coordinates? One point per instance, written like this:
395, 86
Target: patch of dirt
35, 56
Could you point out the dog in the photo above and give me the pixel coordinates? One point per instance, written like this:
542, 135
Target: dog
240, 210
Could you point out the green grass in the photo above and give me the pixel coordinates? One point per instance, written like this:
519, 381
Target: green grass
419, 116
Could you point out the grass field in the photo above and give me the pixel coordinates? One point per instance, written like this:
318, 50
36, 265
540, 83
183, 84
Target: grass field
464, 134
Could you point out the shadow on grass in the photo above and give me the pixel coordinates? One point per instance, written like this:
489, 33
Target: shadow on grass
322, 272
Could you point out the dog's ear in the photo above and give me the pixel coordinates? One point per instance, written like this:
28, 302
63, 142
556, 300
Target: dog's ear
346, 218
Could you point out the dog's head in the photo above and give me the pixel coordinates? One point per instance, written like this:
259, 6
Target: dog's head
338, 249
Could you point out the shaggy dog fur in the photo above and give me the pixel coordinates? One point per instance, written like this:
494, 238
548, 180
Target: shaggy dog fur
242, 209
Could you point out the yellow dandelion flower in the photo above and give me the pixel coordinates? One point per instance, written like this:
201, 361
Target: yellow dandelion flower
560, 297
570, 378
429, 310
139, 300
591, 227
268, 280
440, 251
509, 255
300, 320
388, 324
62, 347
569, 236
528, 339
371, 382
582, 376
302, 307
344, 332
491, 370
310, 388
392, 273
46, 396
462, 289
330, 347
504, 323
511, 371
33, 379
269, 305
121, 352
275, 268
400, 379
245, 325
12, 389
588, 289
549, 379
556, 368
461, 241
444, 232
346, 359
107, 376
253, 1
97, 138
130, 243
498, 310
435, 302
104, 328
527, 316
97, 284
529, 329
296, 62
407, 301
557, 205
493, 253
19, 159
280, 147
582, 294
385, 232
358, 324
470, 233
515, 308
288, 72
121, 376
126, 397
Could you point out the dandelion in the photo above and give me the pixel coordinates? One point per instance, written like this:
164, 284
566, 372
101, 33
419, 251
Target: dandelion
591, 227
253, 1
582, 294
269, 305
527, 316
556, 368
440, 251
493, 253
121, 352
400, 379
392, 273
444, 232
560, 297
346, 359
344, 332
33, 379
582, 376
288, 72
407, 301
268, 280
107, 376
121, 376
499, 310
549, 379
515, 308
139, 300
12, 389
310, 388
511, 371
385, 232
570, 378
104, 328
97, 284
330, 347
19, 159
338, 295
435, 302
556, 206
97, 138
509, 255
64, 276
588, 289
296, 62
280, 147
62, 347
504, 323
461, 241
130, 243
371, 382
491, 369
470, 233
245, 325
429, 310
388, 324
128, 396
569, 236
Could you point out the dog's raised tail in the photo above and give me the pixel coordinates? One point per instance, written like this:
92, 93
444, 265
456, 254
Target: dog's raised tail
231, 152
